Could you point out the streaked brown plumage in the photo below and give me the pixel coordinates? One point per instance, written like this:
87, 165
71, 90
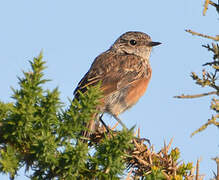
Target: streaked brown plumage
124, 71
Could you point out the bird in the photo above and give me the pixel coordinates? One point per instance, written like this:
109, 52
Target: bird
124, 72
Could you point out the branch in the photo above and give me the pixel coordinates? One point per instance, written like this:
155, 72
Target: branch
216, 38
215, 5
210, 121
195, 95
205, 6
208, 47
197, 169
207, 2
216, 63
217, 162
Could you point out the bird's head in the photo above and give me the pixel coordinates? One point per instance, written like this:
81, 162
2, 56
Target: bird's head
137, 43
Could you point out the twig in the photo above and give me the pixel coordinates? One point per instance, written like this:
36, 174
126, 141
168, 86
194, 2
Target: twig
207, 2
216, 38
208, 47
169, 145
215, 5
216, 63
195, 95
217, 161
115, 126
129, 175
205, 6
197, 169
210, 121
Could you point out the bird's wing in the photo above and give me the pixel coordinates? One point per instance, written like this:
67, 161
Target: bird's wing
114, 71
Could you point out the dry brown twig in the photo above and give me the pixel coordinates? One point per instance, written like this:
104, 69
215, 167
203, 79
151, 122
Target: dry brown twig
205, 7
197, 175
216, 38
142, 158
207, 2
197, 169
216, 159
195, 95
213, 120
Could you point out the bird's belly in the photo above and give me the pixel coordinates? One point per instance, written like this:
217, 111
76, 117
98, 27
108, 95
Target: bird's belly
121, 100
115, 103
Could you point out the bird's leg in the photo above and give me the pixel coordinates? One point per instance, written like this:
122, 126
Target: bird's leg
104, 124
143, 139
120, 122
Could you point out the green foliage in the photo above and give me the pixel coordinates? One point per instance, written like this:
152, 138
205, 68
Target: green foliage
111, 153
156, 173
36, 133
185, 169
79, 113
9, 162
171, 167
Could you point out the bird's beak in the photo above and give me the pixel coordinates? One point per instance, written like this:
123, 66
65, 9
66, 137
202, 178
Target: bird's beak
151, 44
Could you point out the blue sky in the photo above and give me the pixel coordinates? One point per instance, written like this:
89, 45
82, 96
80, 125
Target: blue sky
72, 33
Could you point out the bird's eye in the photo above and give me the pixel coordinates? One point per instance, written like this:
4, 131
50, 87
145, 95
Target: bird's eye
133, 42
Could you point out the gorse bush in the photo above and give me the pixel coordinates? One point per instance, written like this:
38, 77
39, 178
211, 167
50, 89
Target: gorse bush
38, 133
